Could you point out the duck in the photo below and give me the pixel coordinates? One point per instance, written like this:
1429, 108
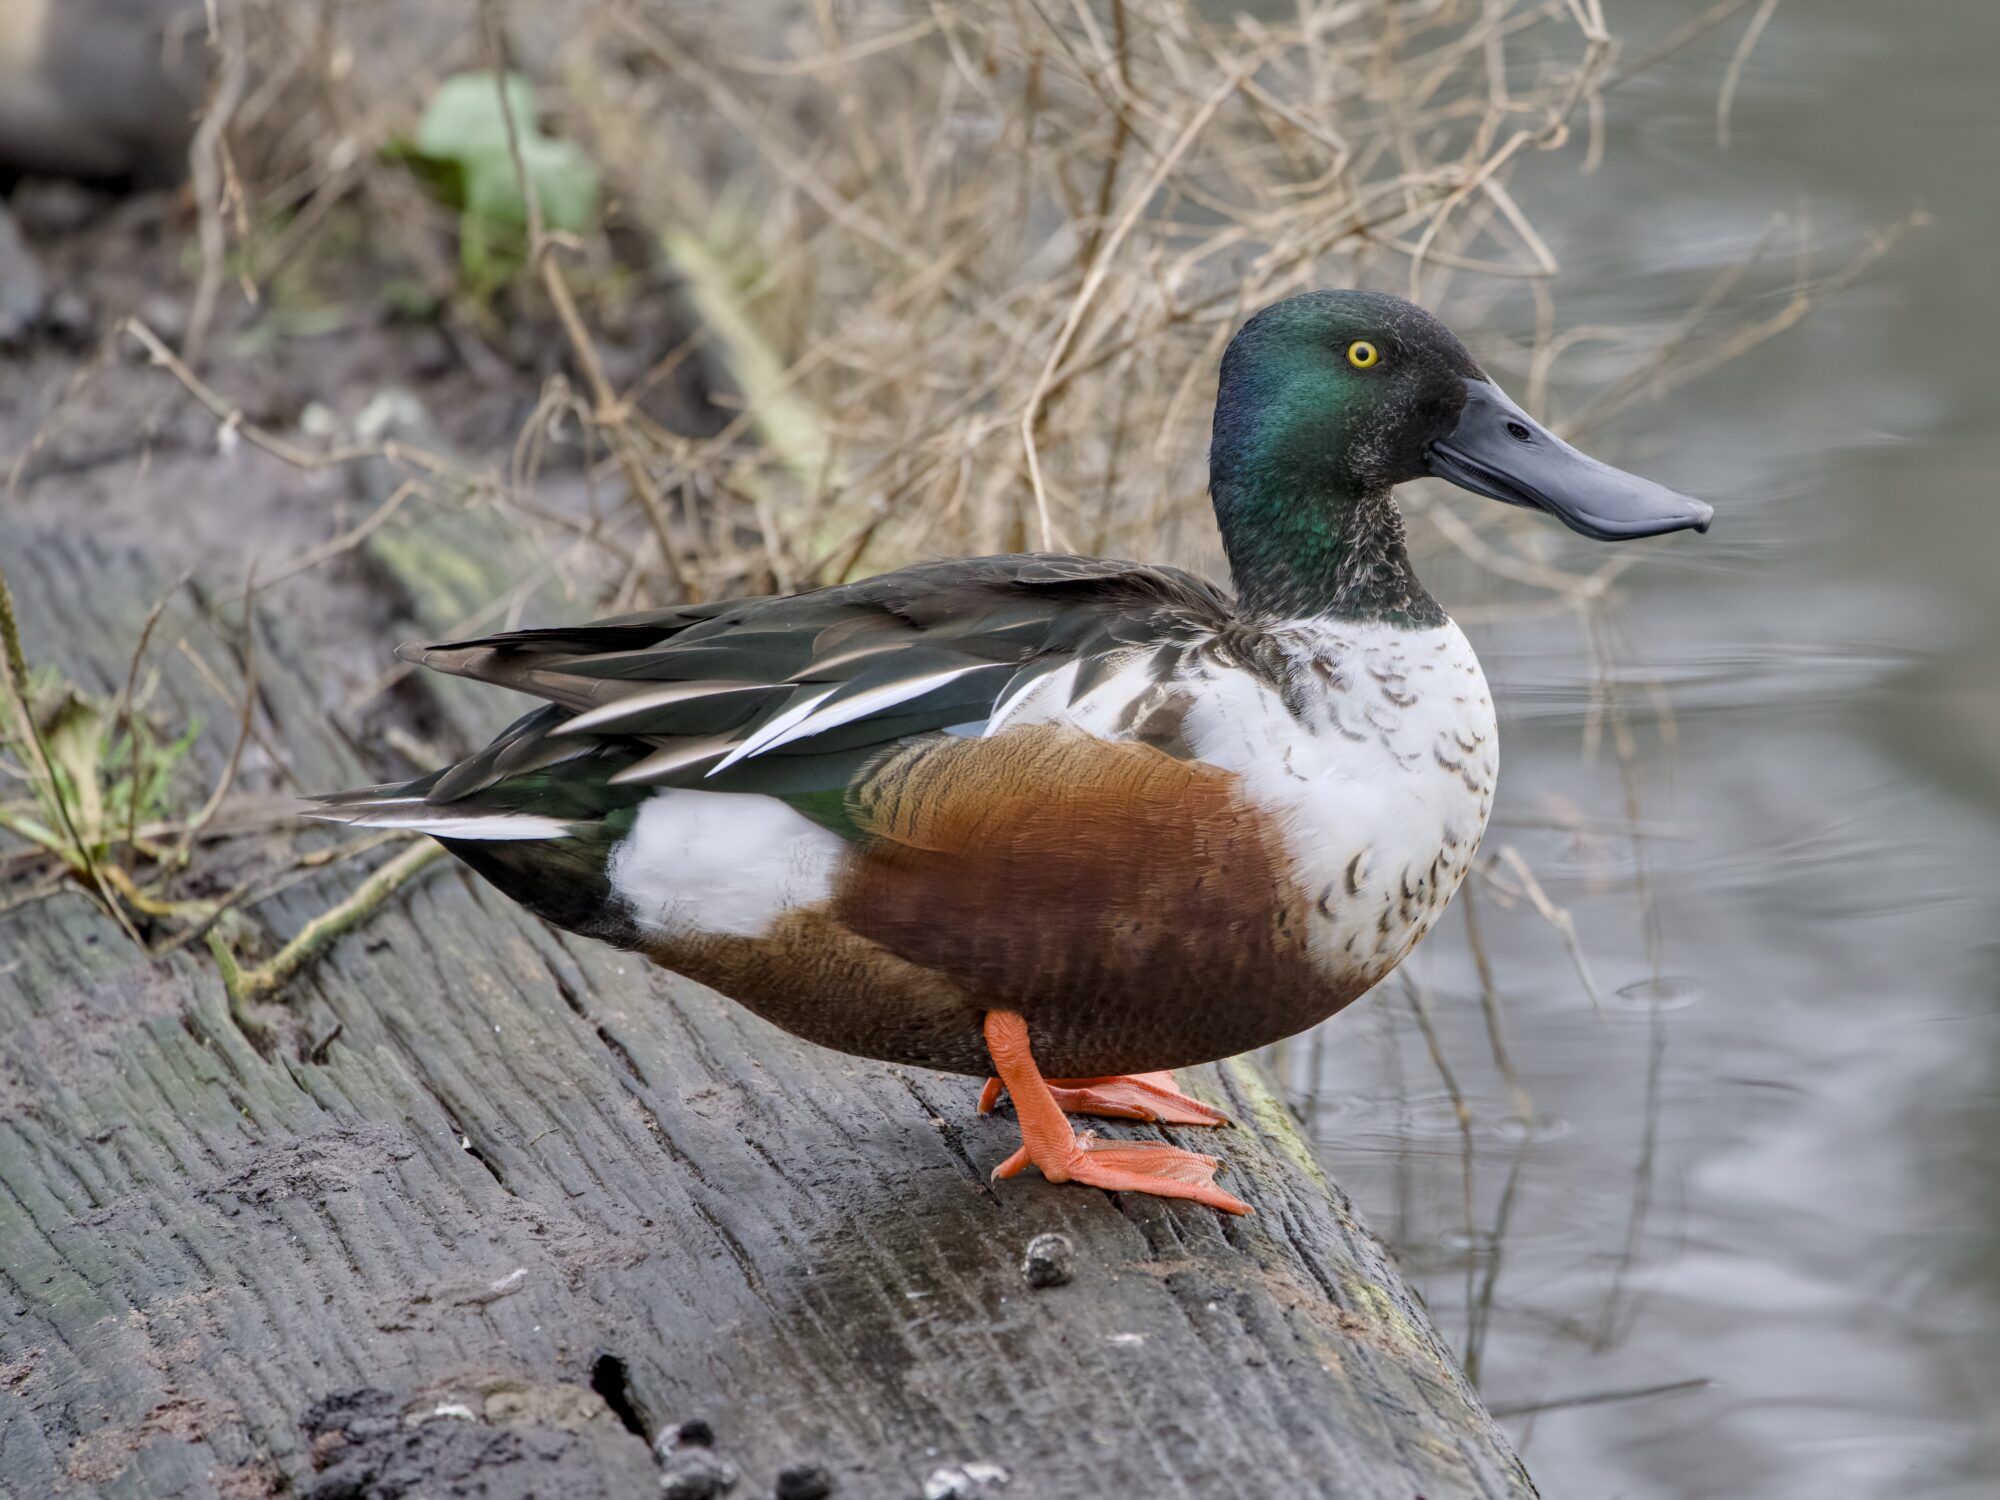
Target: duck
1064, 823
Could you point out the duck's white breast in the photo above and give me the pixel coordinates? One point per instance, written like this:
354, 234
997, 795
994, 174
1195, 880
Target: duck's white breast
1378, 759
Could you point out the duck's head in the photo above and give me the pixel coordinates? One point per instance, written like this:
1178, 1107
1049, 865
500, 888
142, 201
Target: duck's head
1330, 399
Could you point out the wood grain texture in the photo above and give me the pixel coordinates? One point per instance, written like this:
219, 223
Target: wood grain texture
538, 1202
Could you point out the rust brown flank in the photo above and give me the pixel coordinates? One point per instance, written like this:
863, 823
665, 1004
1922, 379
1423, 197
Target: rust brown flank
1137, 909
812, 976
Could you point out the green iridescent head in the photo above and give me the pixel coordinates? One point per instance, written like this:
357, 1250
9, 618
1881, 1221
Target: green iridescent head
1328, 400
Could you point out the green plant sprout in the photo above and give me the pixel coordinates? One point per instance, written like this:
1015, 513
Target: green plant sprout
112, 781
98, 782
462, 151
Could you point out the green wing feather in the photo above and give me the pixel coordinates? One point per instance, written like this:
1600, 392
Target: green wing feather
792, 696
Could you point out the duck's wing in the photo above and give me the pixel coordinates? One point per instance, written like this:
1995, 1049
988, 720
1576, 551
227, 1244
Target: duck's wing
790, 696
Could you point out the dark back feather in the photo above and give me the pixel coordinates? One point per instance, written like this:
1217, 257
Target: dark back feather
791, 694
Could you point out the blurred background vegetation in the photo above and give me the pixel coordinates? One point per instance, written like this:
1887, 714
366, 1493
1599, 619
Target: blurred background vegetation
1684, 1122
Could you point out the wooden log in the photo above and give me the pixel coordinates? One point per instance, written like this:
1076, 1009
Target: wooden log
534, 1206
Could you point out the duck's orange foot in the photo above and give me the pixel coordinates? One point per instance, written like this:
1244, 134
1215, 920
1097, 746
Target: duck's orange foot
1136, 1096
1049, 1142
1132, 1167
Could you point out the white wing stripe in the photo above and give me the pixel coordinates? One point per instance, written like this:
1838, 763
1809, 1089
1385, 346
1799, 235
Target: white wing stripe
770, 732
864, 703
441, 823
673, 758
1057, 680
660, 697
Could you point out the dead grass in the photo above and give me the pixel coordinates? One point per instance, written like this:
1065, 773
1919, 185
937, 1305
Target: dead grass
969, 267
965, 269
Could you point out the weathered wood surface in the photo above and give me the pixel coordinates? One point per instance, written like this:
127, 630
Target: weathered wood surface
537, 1203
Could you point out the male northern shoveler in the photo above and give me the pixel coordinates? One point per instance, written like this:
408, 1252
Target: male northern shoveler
1073, 821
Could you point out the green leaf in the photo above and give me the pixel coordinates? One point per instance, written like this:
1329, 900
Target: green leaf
465, 118
464, 133
73, 731
139, 774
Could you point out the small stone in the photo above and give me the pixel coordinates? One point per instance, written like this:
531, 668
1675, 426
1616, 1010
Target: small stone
392, 413
964, 1481
1049, 1261
804, 1482
696, 1474
693, 1433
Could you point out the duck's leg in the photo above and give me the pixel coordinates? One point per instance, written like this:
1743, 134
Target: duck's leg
1048, 1142
1127, 1096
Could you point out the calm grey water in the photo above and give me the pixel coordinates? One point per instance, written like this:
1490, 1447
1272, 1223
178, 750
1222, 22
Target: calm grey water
1765, 1174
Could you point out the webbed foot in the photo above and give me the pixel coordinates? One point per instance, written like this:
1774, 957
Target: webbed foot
1051, 1144
1131, 1096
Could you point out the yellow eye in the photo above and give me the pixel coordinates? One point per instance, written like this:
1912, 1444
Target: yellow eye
1361, 354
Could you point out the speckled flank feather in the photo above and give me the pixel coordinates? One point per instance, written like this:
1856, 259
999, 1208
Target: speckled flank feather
1378, 757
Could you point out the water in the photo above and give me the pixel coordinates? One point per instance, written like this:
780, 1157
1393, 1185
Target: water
1749, 1244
